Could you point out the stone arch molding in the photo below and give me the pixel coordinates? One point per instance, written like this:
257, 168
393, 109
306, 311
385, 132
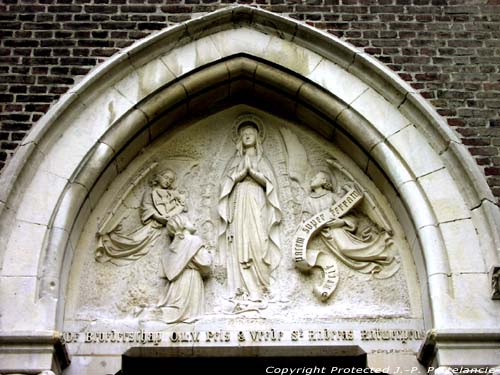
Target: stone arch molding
49, 187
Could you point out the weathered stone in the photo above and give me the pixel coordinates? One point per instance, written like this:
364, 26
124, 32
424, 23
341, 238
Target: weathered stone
380, 314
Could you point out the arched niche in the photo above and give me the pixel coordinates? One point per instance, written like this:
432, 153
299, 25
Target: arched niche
122, 295
244, 55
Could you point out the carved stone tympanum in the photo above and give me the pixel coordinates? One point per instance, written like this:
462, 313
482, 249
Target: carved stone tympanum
241, 217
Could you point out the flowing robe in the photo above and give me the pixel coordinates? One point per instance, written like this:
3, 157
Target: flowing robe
363, 250
249, 235
183, 264
121, 248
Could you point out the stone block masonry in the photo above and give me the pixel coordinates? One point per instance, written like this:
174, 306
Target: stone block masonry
448, 50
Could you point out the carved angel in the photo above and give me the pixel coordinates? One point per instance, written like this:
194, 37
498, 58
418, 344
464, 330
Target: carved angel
357, 243
353, 238
159, 203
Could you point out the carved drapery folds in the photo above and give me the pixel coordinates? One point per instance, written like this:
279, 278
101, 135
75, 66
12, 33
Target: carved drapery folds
250, 212
159, 204
363, 248
329, 213
183, 264
184, 260
248, 191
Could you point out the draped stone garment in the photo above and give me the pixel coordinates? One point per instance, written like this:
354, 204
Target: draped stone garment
249, 235
364, 250
122, 248
183, 264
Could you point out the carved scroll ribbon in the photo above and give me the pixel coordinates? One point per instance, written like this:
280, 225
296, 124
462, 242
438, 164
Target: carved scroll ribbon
306, 259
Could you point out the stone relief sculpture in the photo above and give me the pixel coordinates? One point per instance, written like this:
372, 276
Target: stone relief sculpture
184, 263
330, 214
279, 212
184, 260
361, 247
159, 203
250, 213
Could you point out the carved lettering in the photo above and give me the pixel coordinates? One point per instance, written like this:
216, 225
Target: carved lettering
269, 335
142, 337
299, 249
218, 336
70, 337
333, 214
297, 335
402, 335
185, 337
330, 335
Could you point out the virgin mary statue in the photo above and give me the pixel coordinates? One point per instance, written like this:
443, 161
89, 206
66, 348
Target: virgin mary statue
250, 214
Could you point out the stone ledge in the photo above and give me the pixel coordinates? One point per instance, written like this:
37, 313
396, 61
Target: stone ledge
33, 352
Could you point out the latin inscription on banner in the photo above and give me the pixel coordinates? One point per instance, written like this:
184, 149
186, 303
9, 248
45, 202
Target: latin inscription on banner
312, 225
305, 260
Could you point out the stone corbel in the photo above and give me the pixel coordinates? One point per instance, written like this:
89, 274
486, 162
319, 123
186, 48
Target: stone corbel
427, 351
33, 352
495, 282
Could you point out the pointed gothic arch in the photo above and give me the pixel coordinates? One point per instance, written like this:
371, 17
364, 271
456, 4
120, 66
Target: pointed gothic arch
227, 57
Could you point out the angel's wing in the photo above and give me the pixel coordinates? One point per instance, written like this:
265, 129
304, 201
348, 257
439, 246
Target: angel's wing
297, 161
111, 221
183, 167
371, 209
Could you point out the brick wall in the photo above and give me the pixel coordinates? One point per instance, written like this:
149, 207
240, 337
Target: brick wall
447, 49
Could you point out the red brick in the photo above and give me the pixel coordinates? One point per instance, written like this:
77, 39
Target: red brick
447, 50
492, 171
